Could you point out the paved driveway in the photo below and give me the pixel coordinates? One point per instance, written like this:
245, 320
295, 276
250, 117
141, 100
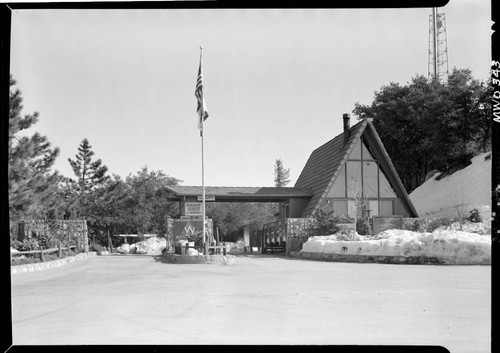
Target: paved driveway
263, 299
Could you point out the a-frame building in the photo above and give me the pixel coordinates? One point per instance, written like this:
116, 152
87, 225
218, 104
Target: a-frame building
352, 173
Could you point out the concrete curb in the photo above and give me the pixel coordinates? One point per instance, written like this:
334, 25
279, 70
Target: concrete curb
409, 260
40, 266
201, 259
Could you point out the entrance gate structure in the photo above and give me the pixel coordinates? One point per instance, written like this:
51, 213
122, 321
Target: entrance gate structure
350, 175
292, 200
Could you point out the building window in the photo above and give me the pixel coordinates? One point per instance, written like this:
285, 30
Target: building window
373, 207
359, 186
370, 179
366, 152
386, 189
326, 206
338, 187
339, 208
386, 208
353, 179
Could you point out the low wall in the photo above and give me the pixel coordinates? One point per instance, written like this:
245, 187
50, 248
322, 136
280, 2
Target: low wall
40, 266
201, 259
298, 231
415, 260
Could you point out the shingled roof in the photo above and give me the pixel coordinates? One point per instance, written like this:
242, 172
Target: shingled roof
325, 162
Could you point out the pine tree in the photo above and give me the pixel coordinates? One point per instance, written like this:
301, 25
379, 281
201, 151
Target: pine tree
91, 174
30, 159
281, 175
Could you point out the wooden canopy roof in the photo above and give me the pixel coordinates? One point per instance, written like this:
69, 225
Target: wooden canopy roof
240, 193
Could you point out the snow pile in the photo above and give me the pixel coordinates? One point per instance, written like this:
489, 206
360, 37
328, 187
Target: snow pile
468, 188
123, 249
193, 252
150, 246
238, 246
180, 245
453, 247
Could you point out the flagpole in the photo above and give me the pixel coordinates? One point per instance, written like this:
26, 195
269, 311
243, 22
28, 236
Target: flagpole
202, 187
202, 176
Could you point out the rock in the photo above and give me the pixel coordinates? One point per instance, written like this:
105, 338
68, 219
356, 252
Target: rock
123, 249
151, 246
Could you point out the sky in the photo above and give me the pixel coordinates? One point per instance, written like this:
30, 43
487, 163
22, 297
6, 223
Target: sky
276, 81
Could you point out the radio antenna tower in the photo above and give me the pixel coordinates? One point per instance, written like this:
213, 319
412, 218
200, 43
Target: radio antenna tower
438, 51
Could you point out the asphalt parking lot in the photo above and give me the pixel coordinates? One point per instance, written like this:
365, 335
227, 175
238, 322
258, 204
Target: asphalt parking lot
263, 299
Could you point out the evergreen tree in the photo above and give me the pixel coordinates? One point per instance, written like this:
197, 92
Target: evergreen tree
281, 175
90, 174
429, 126
146, 206
105, 210
30, 159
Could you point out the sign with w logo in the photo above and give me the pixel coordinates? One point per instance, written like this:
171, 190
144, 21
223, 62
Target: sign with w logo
189, 229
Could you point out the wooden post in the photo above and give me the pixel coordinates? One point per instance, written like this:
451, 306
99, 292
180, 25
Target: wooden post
85, 239
205, 250
60, 250
217, 232
41, 254
110, 244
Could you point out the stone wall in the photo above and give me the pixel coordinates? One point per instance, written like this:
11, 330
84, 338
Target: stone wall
408, 223
413, 260
40, 266
70, 232
298, 231
200, 259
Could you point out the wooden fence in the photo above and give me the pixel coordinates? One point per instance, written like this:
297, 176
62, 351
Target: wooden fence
43, 251
274, 236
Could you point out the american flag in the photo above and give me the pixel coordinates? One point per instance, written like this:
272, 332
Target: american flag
201, 109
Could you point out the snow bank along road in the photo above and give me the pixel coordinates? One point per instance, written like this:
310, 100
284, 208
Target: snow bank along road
263, 299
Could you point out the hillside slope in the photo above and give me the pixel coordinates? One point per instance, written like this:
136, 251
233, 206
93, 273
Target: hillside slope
467, 189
